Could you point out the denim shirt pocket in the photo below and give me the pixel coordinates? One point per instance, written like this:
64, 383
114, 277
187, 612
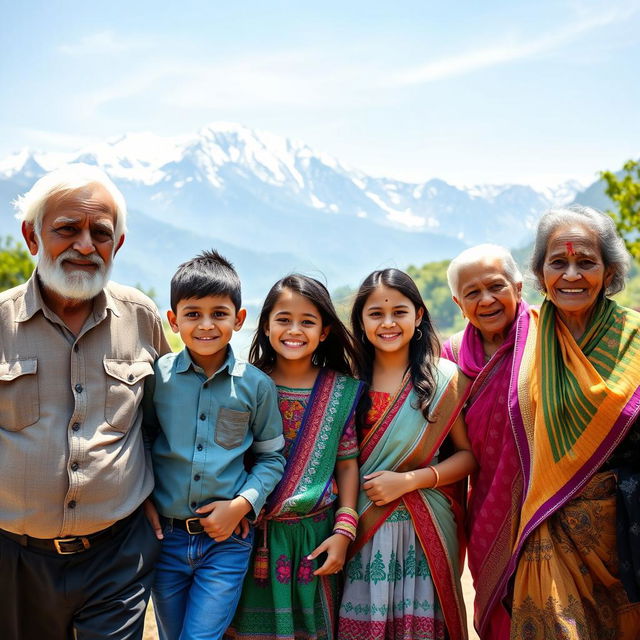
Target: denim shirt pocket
19, 398
231, 427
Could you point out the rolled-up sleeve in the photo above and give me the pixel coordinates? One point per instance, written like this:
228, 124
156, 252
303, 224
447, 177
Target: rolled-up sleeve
267, 449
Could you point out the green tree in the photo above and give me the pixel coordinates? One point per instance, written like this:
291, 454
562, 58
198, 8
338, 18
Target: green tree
625, 193
431, 280
16, 264
150, 292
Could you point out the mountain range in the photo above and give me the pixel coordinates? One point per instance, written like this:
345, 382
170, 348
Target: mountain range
273, 205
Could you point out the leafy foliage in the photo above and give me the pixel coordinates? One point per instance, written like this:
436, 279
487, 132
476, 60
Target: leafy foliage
625, 192
431, 279
16, 264
174, 340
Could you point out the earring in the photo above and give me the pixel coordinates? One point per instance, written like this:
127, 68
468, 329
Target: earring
418, 333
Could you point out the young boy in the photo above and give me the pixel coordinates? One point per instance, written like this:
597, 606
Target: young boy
204, 411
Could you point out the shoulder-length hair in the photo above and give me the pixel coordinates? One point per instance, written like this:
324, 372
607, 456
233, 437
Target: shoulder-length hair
337, 351
424, 347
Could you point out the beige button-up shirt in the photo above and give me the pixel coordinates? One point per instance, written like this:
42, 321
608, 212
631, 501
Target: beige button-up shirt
72, 460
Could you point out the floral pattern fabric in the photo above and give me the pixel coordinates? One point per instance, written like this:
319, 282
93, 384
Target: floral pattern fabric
389, 593
285, 600
571, 561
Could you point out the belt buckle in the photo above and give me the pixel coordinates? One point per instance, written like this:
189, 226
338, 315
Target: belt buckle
193, 525
77, 541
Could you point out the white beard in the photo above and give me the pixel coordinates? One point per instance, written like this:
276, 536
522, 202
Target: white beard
75, 284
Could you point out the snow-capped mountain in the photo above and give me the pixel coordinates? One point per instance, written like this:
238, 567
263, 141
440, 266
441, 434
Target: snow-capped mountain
265, 194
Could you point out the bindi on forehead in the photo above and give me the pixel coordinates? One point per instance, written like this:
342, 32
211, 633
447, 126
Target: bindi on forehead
570, 250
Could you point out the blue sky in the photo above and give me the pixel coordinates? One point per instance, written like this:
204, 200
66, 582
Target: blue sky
470, 92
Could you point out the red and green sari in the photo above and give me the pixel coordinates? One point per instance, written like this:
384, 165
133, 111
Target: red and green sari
284, 600
403, 576
493, 508
572, 405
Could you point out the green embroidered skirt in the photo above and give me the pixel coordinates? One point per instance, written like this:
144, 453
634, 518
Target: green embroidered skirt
291, 603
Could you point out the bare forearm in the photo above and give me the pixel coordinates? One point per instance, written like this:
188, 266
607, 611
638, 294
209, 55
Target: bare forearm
348, 479
454, 468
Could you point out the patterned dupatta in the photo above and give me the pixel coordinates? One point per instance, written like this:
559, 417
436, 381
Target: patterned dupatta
313, 452
497, 486
572, 404
402, 440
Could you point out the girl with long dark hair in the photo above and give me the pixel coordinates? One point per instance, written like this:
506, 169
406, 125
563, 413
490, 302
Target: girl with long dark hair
403, 576
293, 589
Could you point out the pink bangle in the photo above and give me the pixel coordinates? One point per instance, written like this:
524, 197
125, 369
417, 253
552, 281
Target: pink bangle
437, 475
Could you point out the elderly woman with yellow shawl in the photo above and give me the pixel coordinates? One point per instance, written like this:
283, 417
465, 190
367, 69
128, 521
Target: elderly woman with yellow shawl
486, 284
575, 409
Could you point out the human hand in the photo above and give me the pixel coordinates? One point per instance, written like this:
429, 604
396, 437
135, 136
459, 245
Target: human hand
224, 517
243, 528
153, 517
336, 547
383, 487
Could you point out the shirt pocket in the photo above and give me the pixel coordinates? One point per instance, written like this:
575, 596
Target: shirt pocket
124, 391
19, 397
231, 427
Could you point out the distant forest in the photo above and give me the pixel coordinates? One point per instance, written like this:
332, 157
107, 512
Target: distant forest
431, 279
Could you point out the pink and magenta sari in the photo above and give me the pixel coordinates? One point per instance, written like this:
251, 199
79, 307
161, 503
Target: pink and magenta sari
497, 486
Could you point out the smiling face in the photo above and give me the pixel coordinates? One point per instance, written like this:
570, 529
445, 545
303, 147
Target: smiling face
76, 242
206, 326
389, 319
573, 272
294, 327
487, 297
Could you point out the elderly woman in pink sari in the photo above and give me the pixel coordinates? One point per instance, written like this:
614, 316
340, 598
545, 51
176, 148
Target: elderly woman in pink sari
486, 284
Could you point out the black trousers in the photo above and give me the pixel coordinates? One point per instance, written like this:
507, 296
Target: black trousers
96, 594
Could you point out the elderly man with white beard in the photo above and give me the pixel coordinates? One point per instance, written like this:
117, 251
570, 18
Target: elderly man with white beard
76, 552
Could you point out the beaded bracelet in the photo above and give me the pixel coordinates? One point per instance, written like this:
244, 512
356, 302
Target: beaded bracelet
435, 471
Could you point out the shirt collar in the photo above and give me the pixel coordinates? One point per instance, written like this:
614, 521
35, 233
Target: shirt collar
31, 301
184, 362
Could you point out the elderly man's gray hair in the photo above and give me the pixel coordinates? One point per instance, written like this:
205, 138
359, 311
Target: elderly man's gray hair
614, 253
477, 254
31, 205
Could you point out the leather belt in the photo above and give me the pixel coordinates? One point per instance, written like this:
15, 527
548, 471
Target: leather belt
190, 525
71, 544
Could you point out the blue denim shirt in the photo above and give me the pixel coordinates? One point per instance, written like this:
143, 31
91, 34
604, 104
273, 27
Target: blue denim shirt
201, 428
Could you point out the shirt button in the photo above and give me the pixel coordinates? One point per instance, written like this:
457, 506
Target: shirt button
75, 426
78, 388
203, 416
199, 447
75, 466
205, 385
71, 504
76, 348
196, 477
130, 377
193, 505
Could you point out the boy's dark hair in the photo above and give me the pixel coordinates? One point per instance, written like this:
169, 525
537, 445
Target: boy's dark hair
208, 274
336, 352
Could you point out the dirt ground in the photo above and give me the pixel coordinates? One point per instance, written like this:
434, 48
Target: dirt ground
150, 632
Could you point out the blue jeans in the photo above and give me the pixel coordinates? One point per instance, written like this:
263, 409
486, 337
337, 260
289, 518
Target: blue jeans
198, 584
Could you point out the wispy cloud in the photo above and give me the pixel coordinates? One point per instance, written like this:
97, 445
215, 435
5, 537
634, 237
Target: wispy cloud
101, 43
514, 49
292, 78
